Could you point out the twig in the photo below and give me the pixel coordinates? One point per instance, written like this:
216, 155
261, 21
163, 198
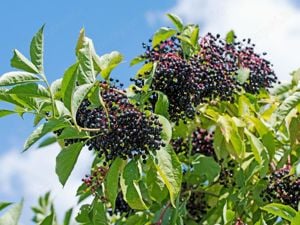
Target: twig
162, 214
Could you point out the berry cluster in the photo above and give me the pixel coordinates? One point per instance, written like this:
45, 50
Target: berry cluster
196, 204
226, 174
123, 130
122, 207
207, 75
201, 142
283, 188
94, 181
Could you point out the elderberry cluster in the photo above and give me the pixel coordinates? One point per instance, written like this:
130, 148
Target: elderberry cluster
94, 181
121, 206
201, 142
118, 128
209, 74
226, 174
196, 204
283, 188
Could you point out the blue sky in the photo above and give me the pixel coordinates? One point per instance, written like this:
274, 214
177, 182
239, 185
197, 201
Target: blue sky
118, 25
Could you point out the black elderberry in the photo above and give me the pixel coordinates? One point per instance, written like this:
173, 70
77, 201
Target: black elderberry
201, 142
283, 188
124, 131
121, 206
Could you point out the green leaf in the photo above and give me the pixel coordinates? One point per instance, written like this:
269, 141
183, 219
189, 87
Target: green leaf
72, 133
296, 219
49, 220
30, 90
111, 182
283, 211
206, 167
162, 105
156, 187
256, 146
66, 160
230, 37
78, 96
137, 60
167, 129
108, 62
129, 181
243, 75
86, 64
67, 218
48, 141
84, 217
42, 130
296, 76
99, 213
281, 89
4, 112
17, 77
37, 49
68, 84
231, 134
286, 106
161, 35
3, 205
169, 168
55, 88
12, 216
176, 21
19, 61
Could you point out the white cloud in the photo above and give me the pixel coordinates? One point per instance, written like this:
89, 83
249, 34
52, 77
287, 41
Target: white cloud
32, 174
274, 25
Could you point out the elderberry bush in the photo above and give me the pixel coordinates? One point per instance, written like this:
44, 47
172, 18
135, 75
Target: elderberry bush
123, 130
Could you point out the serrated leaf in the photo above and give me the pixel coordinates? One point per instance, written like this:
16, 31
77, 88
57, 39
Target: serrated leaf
162, 105
281, 89
83, 217
176, 21
66, 160
111, 182
19, 61
256, 146
166, 129
42, 130
3, 205
206, 167
161, 35
49, 220
130, 177
78, 96
37, 49
283, 211
12, 216
108, 62
17, 77
86, 64
48, 141
156, 187
67, 218
296, 77
286, 106
4, 112
55, 88
230, 37
68, 84
99, 213
30, 90
169, 168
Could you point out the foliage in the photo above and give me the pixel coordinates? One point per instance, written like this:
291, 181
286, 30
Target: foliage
197, 138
